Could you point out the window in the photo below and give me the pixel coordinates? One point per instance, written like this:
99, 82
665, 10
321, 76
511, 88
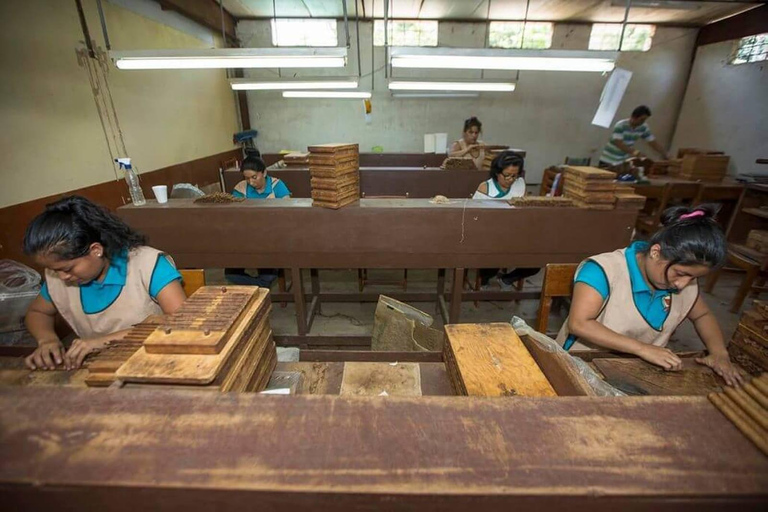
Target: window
301, 32
637, 38
406, 33
750, 49
509, 34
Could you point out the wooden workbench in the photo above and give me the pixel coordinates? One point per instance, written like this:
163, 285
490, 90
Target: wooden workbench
377, 233
142, 450
417, 182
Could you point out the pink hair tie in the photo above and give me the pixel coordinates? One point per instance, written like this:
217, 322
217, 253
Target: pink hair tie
693, 215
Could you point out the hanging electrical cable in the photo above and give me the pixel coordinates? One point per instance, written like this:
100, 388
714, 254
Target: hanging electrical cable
103, 25
357, 37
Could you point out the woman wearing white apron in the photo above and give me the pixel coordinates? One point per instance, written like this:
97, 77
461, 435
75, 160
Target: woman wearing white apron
632, 300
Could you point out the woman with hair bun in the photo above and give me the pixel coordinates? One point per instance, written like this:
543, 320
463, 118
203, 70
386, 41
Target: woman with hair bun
632, 300
469, 145
99, 275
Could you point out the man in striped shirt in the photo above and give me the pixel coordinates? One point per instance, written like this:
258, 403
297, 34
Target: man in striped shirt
625, 133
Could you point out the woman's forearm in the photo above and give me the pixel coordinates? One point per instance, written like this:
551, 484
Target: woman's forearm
41, 326
595, 332
709, 331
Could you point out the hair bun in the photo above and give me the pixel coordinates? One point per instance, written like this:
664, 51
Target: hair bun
700, 213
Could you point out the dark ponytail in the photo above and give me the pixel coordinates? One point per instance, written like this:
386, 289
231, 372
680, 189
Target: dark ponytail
68, 227
506, 159
473, 121
691, 236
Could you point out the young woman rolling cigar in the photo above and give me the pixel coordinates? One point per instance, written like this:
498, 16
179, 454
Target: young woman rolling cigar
99, 275
633, 299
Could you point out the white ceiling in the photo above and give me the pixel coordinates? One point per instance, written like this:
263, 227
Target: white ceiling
693, 13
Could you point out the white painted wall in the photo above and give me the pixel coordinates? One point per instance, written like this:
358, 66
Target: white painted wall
726, 108
51, 140
549, 114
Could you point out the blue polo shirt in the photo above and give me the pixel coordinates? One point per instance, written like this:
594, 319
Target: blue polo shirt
652, 304
272, 184
97, 296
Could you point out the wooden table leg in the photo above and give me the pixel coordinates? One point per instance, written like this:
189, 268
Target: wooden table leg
298, 300
315, 283
456, 289
441, 308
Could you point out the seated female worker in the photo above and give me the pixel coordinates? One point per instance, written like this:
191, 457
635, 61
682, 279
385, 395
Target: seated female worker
99, 276
469, 144
507, 180
257, 184
633, 299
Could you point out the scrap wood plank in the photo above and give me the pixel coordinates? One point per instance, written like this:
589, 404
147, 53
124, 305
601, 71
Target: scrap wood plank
373, 379
491, 360
190, 368
635, 376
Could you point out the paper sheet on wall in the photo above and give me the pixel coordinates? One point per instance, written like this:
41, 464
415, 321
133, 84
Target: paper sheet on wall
613, 92
441, 142
429, 142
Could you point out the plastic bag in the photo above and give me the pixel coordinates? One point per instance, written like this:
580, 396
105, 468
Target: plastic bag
16, 277
598, 385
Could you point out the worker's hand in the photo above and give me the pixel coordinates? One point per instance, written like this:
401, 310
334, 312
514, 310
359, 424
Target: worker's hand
46, 356
721, 364
80, 348
661, 357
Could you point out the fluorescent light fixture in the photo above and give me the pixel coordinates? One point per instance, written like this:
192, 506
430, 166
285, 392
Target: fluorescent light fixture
402, 85
327, 94
247, 84
480, 58
659, 4
414, 95
232, 58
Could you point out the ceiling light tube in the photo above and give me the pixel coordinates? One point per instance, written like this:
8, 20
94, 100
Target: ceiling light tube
402, 85
327, 94
247, 84
231, 58
414, 95
471, 58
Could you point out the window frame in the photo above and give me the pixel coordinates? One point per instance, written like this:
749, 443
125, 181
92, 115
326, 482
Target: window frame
733, 59
391, 27
276, 31
524, 26
623, 40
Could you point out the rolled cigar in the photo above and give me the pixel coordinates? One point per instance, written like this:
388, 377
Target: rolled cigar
756, 394
744, 423
748, 405
761, 385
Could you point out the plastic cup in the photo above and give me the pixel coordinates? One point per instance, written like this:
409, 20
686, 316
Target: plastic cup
161, 193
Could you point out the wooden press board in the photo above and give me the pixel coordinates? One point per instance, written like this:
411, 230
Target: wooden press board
492, 361
188, 368
204, 323
635, 376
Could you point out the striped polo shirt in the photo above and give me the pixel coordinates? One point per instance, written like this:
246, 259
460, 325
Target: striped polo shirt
624, 132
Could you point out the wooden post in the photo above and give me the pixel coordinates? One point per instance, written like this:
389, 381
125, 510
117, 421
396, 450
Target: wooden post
298, 299
458, 281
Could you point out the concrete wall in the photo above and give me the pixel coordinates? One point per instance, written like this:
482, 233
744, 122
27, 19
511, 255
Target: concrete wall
726, 108
51, 138
549, 114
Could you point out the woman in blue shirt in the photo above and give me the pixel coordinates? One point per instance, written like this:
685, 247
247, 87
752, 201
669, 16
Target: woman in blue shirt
256, 185
99, 276
632, 300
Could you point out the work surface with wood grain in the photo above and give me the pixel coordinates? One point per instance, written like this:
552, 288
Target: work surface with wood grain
376, 233
128, 449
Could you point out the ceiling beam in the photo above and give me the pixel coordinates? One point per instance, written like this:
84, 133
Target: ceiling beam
204, 12
754, 21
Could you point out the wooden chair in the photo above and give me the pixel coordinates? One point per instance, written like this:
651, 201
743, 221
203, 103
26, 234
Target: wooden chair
582, 161
192, 280
548, 181
558, 282
730, 196
479, 282
679, 192
229, 163
362, 273
754, 263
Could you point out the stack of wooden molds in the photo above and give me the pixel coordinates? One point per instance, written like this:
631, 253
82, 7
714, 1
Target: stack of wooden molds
491, 360
698, 167
590, 187
490, 154
335, 174
296, 160
219, 340
749, 345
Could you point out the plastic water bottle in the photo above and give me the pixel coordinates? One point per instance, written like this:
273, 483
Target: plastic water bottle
132, 179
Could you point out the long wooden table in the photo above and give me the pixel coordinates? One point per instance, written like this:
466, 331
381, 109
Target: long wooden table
417, 182
147, 450
377, 233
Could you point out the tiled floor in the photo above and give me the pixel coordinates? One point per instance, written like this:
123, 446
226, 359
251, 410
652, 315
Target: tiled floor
357, 318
